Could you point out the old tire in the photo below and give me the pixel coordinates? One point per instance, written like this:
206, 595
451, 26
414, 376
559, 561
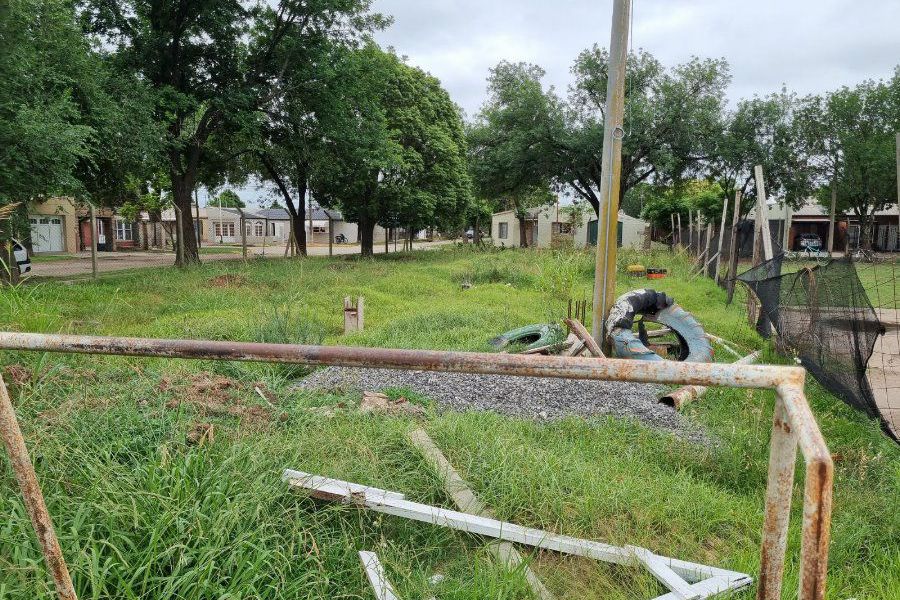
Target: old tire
659, 308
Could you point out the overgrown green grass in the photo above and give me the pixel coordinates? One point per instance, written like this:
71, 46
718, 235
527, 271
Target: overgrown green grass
142, 514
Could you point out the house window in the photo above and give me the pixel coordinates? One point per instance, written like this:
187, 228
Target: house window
561, 228
224, 229
319, 229
124, 230
502, 230
258, 229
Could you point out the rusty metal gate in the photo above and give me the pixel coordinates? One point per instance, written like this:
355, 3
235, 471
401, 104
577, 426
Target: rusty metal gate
793, 424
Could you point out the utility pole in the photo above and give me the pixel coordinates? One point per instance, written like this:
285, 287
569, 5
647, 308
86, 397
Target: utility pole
898, 190
197, 220
93, 241
611, 172
309, 240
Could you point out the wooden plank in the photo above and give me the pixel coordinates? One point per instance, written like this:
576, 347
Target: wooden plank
762, 213
718, 271
582, 334
381, 502
466, 501
375, 572
664, 573
732, 245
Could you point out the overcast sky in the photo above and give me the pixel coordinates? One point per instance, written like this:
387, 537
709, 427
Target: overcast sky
809, 45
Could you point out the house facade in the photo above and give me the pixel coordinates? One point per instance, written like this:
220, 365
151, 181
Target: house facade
53, 226
549, 225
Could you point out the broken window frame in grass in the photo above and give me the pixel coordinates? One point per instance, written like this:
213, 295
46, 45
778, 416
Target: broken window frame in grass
793, 424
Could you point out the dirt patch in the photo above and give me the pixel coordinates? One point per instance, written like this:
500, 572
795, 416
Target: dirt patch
18, 374
227, 280
216, 395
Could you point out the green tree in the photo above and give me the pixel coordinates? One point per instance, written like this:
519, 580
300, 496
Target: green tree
229, 199
671, 124
42, 133
393, 149
210, 65
514, 141
860, 126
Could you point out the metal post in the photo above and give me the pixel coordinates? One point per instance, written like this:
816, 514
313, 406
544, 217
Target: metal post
690, 232
309, 240
199, 222
93, 241
733, 245
783, 456
179, 248
831, 216
32, 496
898, 190
788, 219
672, 218
330, 235
678, 216
611, 171
243, 224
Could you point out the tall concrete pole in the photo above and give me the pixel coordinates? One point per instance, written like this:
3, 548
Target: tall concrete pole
898, 190
611, 171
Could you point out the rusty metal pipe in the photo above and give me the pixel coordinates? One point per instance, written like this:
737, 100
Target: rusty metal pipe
688, 393
817, 494
32, 496
731, 375
780, 487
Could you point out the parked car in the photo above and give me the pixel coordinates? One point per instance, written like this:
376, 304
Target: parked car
20, 254
810, 241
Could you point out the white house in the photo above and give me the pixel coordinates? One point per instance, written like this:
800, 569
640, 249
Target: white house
547, 225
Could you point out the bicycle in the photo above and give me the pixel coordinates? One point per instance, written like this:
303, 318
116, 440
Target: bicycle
863, 255
810, 253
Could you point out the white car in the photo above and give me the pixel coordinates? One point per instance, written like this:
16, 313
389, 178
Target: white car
20, 254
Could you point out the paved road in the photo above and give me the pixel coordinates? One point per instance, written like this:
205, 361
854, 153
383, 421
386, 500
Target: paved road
79, 265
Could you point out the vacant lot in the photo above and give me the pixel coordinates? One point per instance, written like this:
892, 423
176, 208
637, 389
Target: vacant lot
142, 512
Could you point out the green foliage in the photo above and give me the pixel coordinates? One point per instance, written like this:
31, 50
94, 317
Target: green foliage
228, 198
43, 136
849, 135
396, 152
697, 196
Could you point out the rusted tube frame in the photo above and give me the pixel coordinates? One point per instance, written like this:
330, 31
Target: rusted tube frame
689, 393
723, 374
32, 496
794, 423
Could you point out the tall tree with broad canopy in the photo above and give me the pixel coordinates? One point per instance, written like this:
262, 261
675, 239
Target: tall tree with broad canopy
393, 151
851, 133
514, 142
210, 66
672, 119
762, 131
525, 135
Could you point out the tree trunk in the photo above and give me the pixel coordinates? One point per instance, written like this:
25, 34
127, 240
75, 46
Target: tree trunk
476, 234
366, 236
299, 222
523, 238
182, 188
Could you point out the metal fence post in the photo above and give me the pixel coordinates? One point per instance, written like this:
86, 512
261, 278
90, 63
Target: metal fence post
93, 241
32, 496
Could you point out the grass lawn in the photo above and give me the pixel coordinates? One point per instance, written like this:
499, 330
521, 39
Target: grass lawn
220, 249
143, 514
45, 258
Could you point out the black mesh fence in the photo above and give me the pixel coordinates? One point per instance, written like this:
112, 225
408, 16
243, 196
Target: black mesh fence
822, 314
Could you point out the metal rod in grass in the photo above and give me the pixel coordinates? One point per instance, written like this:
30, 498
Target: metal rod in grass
32, 496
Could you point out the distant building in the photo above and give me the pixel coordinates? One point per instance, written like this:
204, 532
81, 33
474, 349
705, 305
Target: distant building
549, 225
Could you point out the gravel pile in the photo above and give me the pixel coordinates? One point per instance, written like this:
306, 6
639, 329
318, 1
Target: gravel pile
540, 398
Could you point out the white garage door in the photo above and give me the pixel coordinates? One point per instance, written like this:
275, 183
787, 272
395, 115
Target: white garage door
46, 234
